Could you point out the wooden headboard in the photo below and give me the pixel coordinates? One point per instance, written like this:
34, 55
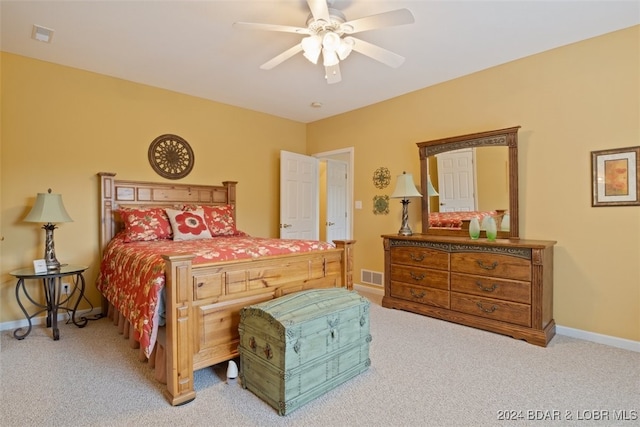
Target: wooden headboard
115, 193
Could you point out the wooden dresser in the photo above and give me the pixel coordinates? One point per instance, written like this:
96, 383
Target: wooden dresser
505, 286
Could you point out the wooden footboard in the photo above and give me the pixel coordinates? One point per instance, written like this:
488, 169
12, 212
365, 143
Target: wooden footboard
203, 301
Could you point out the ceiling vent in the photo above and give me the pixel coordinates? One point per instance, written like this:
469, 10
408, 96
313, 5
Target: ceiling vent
42, 34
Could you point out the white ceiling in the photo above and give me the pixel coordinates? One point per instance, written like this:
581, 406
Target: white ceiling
190, 46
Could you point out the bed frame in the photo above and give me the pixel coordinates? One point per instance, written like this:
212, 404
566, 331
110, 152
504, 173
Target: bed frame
203, 301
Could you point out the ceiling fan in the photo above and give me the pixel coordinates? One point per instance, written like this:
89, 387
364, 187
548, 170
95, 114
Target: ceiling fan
329, 33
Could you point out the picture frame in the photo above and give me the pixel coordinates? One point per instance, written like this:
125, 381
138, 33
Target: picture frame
614, 177
39, 266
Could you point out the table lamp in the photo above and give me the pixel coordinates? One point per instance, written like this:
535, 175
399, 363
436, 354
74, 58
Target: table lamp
49, 209
431, 191
405, 188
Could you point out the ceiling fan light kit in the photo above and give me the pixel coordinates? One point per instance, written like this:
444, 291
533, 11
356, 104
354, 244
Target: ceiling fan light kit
345, 48
328, 32
334, 48
312, 46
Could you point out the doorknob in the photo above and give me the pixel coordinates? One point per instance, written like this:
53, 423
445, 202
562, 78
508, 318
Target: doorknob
285, 225
330, 223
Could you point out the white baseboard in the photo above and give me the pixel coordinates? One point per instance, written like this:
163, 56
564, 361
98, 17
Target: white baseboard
599, 338
41, 320
374, 293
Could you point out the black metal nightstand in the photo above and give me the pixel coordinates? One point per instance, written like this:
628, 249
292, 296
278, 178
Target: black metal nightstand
55, 299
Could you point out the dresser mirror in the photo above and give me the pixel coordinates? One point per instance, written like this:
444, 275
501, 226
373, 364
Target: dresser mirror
492, 190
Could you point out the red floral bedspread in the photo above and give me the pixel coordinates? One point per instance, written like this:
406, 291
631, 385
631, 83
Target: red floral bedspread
454, 219
132, 274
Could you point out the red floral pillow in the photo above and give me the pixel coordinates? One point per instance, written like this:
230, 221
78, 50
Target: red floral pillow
188, 225
143, 224
219, 219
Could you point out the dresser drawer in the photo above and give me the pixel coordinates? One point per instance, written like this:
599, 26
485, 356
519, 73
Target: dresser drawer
419, 294
420, 257
420, 276
488, 264
504, 311
491, 287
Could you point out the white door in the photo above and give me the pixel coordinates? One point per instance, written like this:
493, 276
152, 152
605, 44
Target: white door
456, 180
336, 198
298, 196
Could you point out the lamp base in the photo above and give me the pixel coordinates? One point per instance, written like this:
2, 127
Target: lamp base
50, 250
404, 229
405, 232
53, 266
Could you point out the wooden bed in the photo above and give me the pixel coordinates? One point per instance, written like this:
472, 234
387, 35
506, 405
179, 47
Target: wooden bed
460, 220
203, 300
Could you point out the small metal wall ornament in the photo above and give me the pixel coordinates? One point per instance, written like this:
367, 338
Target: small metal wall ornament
381, 177
381, 205
171, 156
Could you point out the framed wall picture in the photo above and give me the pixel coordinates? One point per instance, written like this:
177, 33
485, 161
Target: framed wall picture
615, 179
39, 266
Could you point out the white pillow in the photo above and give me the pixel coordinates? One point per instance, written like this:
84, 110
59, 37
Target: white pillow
188, 225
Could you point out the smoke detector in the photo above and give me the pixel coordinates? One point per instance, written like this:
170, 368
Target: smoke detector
42, 34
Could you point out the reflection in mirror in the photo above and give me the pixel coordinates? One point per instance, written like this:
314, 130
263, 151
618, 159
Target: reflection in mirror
471, 176
470, 180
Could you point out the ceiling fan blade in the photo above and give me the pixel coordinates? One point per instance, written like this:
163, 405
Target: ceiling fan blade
319, 10
332, 74
386, 19
376, 52
270, 27
282, 57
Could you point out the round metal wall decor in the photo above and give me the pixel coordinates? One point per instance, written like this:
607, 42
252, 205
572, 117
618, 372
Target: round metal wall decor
171, 156
381, 177
381, 205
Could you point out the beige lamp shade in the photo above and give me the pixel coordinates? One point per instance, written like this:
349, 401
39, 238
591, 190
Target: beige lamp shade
431, 191
405, 188
48, 209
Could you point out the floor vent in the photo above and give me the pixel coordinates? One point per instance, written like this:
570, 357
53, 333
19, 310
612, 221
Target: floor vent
372, 277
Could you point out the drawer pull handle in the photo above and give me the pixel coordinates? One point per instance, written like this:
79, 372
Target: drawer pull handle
487, 310
252, 344
418, 258
416, 295
486, 288
416, 276
492, 266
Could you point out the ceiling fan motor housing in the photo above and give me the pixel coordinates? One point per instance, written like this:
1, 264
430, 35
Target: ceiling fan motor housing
336, 19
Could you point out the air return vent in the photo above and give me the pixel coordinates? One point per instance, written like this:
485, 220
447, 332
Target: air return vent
371, 277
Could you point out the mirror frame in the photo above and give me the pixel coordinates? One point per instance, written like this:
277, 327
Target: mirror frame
502, 137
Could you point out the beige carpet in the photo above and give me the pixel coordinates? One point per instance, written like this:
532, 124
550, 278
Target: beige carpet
424, 372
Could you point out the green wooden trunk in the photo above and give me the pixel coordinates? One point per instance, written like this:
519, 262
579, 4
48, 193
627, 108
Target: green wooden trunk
297, 347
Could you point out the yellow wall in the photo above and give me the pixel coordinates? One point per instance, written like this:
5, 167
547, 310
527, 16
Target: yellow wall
492, 168
60, 126
569, 102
